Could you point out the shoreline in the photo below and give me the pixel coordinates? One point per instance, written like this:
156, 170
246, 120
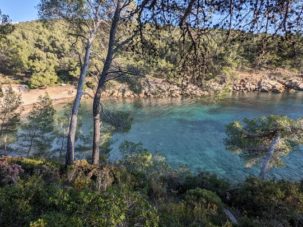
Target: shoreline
155, 88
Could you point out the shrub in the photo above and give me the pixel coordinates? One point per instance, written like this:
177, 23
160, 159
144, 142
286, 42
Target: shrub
205, 180
37, 203
270, 200
148, 169
199, 207
43, 79
9, 173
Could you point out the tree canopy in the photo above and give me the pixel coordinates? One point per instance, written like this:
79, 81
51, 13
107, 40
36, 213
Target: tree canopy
264, 138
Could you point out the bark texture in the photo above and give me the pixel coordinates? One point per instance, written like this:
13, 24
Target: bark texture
71, 137
102, 79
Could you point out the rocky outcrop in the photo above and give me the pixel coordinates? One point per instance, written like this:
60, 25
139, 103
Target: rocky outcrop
150, 87
296, 84
153, 88
267, 84
160, 88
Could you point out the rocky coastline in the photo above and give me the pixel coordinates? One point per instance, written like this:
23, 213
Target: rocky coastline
161, 88
151, 87
274, 85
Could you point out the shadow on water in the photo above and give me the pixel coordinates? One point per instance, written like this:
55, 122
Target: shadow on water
191, 131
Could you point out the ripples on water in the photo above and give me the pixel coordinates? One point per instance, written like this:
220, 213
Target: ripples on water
191, 132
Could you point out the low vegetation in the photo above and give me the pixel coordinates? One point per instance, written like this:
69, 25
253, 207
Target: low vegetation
37, 192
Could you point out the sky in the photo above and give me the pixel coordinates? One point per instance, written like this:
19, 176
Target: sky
20, 10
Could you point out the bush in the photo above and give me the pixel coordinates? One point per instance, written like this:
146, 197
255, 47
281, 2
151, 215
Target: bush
9, 173
137, 192
207, 181
199, 207
37, 203
148, 169
270, 200
43, 79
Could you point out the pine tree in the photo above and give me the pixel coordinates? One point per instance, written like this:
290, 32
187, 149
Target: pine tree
265, 139
5, 25
37, 130
10, 112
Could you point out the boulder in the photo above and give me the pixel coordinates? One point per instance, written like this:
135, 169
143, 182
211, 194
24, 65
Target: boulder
267, 85
295, 84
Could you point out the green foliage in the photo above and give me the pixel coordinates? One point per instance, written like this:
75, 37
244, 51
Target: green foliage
43, 79
5, 26
199, 207
10, 111
40, 55
35, 133
48, 202
120, 120
148, 169
9, 173
132, 81
46, 55
276, 202
205, 180
141, 161
44, 193
253, 137
46, 169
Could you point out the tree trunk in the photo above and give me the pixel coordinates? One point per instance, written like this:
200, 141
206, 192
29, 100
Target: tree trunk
101, 83
62, 146
97, 128
71, 137
269, 155
5, 144
30, 145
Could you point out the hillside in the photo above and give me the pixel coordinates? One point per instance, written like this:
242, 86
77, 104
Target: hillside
41, 55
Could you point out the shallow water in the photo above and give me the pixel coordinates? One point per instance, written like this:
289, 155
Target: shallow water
191, 132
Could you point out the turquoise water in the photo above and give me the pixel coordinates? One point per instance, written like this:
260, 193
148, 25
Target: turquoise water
191, 132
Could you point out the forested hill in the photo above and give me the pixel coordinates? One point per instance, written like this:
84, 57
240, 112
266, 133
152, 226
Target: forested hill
38, 54
44, 55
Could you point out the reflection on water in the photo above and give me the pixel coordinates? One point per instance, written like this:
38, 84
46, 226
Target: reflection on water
191, 132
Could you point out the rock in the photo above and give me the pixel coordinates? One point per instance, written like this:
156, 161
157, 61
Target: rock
160, 88
141, 95
300, 86
278, 89
267, 85
295, 84
127, 94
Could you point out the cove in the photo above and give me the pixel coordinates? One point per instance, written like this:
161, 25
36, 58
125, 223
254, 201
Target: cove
191, 132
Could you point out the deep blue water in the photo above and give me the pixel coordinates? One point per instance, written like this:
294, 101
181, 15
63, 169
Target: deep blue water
191, 132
